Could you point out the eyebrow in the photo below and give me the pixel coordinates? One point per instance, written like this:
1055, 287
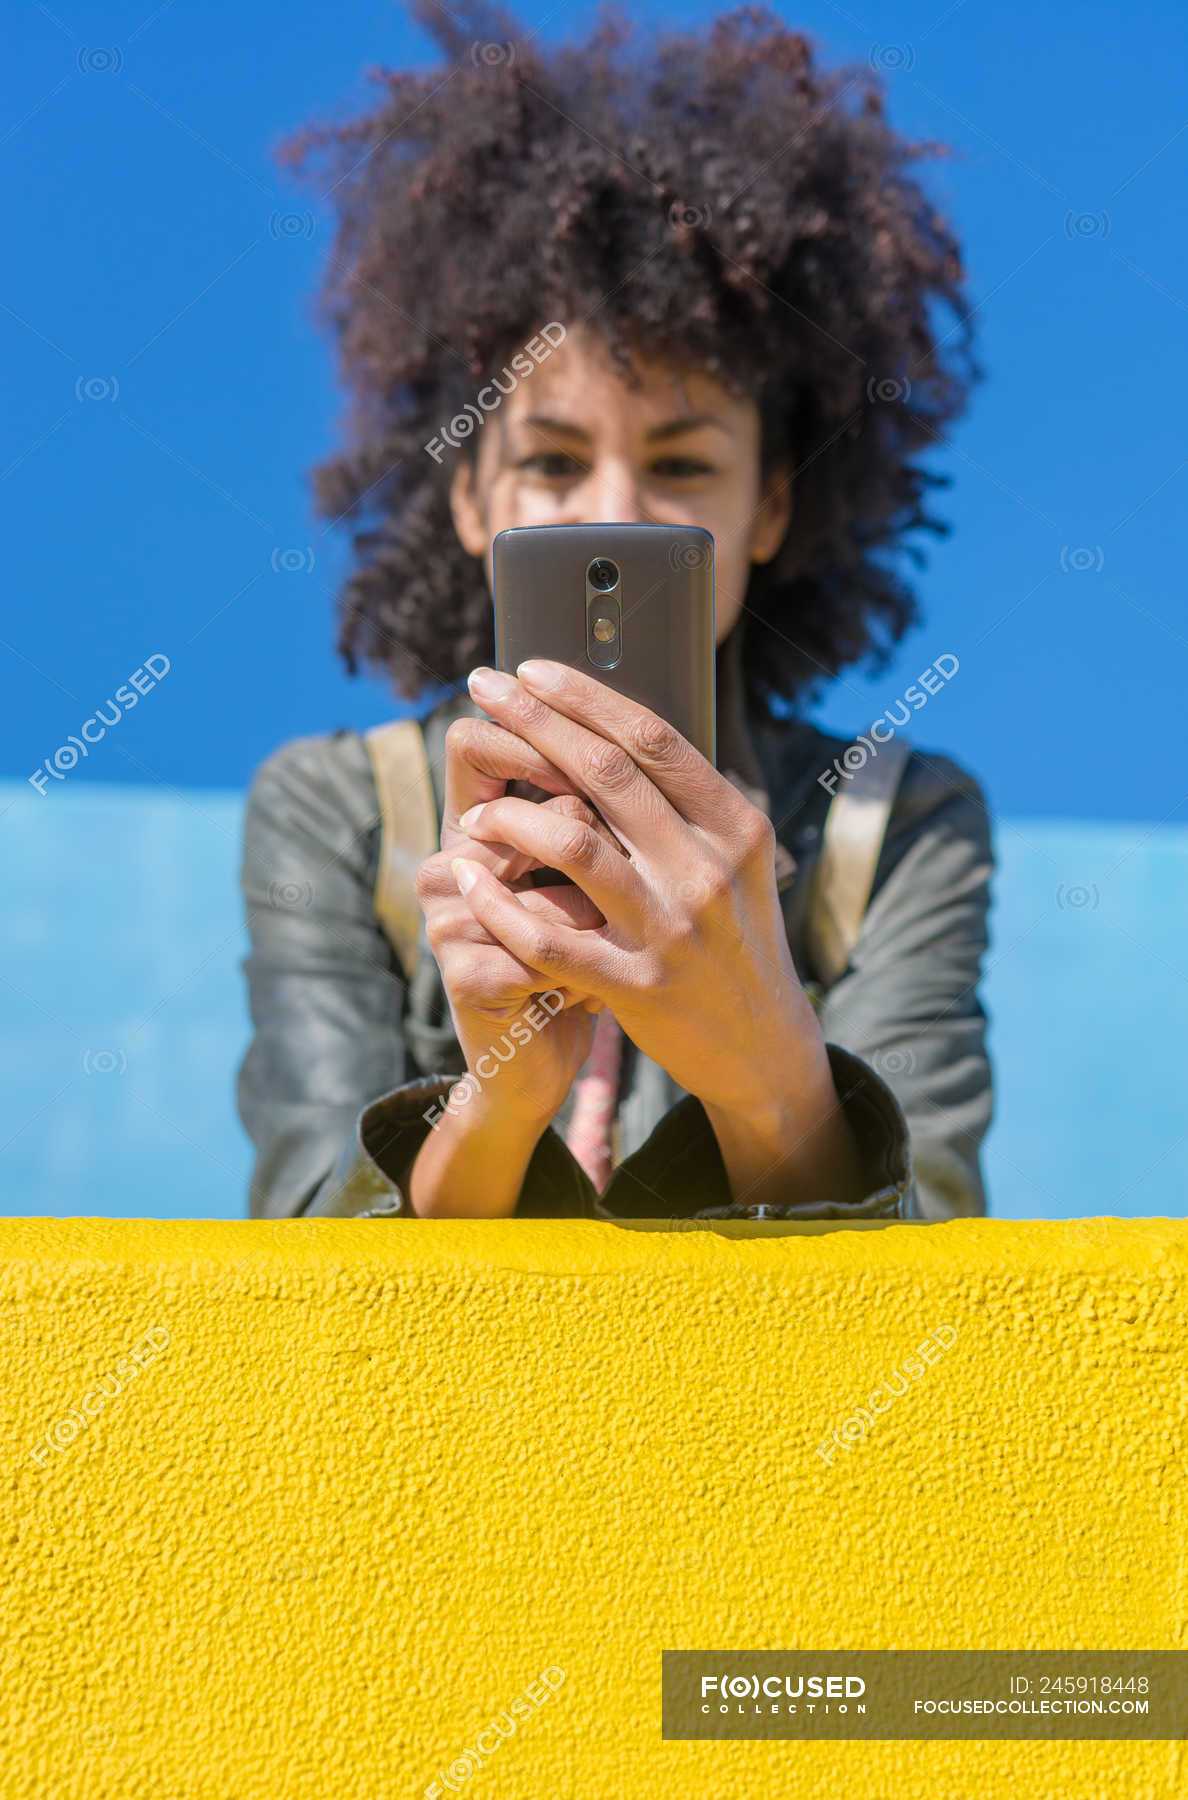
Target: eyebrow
670, 427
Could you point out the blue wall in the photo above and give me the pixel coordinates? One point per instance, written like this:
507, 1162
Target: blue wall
168, 390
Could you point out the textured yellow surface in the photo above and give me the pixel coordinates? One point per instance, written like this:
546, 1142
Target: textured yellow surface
364, 1482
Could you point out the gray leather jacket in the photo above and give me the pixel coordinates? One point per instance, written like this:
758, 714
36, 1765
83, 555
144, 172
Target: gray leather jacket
345, 1059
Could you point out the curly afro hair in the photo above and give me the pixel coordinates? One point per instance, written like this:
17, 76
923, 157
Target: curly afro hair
732, 207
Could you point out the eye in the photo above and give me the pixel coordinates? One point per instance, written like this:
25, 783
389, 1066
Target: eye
678, 468
552, 464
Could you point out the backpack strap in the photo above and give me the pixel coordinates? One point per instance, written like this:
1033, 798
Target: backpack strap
855, 826
409, 830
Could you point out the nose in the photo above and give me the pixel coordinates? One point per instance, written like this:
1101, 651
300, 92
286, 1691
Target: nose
610, 494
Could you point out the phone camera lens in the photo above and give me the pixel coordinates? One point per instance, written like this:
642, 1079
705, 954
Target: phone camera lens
603, 574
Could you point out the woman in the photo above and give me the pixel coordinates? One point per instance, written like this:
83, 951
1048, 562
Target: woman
738, 271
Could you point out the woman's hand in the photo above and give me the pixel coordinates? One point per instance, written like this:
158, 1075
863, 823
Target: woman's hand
692, 954
692, 957
521, 1055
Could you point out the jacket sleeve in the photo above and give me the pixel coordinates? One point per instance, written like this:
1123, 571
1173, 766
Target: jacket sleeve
908, 1003
326, 1090
679, 1171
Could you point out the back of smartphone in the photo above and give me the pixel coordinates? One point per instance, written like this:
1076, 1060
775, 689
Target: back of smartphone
631, 605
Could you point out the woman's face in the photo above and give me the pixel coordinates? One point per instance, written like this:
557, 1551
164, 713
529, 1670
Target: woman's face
572, 444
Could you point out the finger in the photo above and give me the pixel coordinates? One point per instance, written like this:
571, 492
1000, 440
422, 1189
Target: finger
568, 999
561, 840
434, 882
635, 809
569, 906
482, 757
485, 977
449, 916
573, 806
690, 783
511, 864
482, 975
455, 934
562, 956
449, 920
562, 906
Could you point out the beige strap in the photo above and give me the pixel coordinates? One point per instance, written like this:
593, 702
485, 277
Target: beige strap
409, 830
855, 826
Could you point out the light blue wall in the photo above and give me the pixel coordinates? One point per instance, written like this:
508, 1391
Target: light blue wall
124, 1014
1089, 1013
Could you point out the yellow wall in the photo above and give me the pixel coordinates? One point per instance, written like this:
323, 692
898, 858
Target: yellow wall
363, 1482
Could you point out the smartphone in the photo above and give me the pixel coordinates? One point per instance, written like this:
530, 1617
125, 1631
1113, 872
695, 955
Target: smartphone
631, 605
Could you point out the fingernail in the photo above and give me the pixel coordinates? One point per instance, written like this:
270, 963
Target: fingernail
490, 684
471, 816
465, 873
539, 674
